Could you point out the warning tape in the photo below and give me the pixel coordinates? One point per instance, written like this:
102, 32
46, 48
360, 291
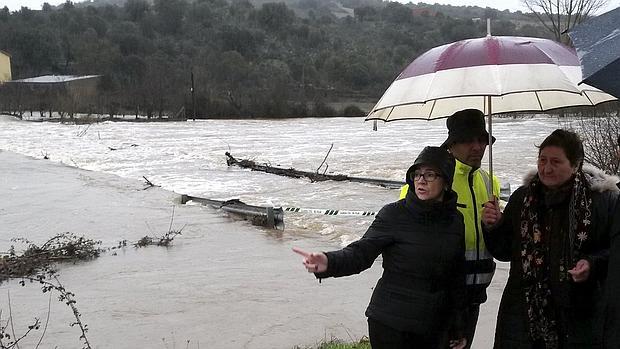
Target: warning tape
328, 212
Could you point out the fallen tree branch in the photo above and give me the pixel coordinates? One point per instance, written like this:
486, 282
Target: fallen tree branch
325, 159
149, 184
313, 176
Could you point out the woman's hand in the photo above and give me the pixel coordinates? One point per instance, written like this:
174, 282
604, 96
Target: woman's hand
491, 213
581, 271
314, 262
458, 343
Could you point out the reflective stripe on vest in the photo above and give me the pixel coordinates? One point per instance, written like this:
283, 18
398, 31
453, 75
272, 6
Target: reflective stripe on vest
479, 279
472, 255
485, 178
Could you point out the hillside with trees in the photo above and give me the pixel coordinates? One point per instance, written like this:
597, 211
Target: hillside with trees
247, 59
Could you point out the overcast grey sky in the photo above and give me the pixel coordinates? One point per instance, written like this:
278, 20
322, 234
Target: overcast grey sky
511, 5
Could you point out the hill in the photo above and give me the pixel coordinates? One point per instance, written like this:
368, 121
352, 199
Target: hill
247, 59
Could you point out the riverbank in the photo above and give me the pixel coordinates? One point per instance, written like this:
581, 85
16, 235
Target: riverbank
94, 118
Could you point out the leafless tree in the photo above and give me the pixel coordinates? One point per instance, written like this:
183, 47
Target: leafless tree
599, 128
600, 135
559, 16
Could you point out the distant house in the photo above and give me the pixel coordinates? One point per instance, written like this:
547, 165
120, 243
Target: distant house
64, 94
5, 66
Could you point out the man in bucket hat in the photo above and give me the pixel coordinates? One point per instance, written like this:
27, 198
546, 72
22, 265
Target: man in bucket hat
467, 141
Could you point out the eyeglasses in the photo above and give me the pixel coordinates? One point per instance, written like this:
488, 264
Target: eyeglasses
428, 176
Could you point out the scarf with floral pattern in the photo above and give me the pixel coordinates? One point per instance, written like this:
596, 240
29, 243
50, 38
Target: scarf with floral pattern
536, 274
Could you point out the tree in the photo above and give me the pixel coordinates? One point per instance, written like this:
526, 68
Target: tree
136, 9
600, 135
170, 14
275, 16
395, 12
241, 10
365, 13
560, 16
240, 40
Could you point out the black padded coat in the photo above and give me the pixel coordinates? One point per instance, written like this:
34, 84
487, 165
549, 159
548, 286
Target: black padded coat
422, 289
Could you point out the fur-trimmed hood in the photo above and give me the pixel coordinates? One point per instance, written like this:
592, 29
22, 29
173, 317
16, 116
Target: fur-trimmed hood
599, 180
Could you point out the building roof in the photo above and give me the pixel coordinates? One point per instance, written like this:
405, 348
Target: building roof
5, 53
54, 79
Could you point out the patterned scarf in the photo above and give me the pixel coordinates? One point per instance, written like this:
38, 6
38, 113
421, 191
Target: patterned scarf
536, 273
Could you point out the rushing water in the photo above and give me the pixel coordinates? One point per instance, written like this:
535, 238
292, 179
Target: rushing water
227, 284
188, 158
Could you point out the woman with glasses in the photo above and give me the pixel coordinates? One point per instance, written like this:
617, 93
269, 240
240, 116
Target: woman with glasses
555, 233
418, 301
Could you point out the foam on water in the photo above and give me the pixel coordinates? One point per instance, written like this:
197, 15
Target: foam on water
188, 157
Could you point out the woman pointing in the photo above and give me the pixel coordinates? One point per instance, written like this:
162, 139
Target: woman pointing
418, 301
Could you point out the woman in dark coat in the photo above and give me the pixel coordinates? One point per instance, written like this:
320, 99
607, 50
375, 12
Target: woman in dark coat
418, 301
555, 233
611, 335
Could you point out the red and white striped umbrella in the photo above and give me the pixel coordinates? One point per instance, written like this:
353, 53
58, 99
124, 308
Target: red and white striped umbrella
495, 74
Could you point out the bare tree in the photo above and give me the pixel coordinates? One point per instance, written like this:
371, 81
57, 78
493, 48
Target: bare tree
599, 128
600, 135
559, 16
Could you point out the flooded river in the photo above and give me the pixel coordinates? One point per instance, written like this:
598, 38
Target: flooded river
224, 283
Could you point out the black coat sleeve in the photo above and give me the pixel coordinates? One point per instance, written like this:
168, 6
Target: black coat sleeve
359, 255
457, 292
498, 238
607, 206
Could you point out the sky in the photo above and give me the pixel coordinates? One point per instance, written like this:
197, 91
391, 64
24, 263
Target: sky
512, 5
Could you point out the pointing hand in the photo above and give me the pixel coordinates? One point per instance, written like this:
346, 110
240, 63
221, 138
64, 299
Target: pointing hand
313, 261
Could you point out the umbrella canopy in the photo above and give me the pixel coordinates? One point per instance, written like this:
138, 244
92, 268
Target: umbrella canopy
597, 41
502, 73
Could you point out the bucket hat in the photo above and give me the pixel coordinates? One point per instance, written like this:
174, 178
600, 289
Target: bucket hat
437, 157
466, 125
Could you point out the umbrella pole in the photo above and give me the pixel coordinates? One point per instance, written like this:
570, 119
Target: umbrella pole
490, 120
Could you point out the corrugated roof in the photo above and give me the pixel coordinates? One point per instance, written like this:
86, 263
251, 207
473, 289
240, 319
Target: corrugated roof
54, 79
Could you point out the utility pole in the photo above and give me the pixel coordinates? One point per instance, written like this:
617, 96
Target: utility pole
193, 99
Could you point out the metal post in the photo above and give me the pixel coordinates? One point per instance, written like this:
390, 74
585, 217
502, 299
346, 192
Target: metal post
193, 99
488, 26
490, 116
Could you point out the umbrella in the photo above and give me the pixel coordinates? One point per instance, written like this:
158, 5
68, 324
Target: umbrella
495, 74
597, 41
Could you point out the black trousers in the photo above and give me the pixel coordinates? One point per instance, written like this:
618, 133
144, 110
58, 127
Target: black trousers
471, 320
386, 337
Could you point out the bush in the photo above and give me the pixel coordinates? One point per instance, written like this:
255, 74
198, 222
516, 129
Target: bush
353, 110
322, 109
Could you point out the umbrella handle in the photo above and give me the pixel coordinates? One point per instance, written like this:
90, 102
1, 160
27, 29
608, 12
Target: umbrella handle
490, 127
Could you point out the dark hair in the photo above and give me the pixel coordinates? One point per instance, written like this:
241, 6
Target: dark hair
569, 141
